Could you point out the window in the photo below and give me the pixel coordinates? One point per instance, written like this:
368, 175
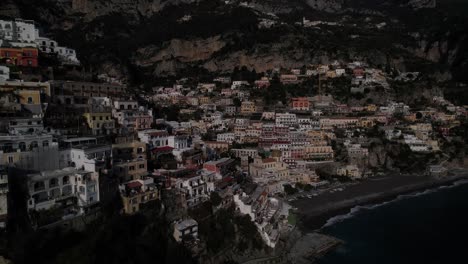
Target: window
141, 166
107, 118
10, 159
94, 118
53, 182
22, 146
131, 168
66, 180
30, 100
45, 143
100, 118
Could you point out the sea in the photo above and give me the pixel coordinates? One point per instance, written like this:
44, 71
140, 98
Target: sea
424, 227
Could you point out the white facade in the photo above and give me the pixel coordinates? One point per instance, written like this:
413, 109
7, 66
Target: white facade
239, 84
153, 137
178, 142
4, 73
125, 105
21, 126
86, 157
196, 189
185, 228
286, 119
226, 137
49, 188
23, 31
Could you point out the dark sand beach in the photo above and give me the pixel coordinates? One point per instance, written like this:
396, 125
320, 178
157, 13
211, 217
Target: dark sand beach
314, 212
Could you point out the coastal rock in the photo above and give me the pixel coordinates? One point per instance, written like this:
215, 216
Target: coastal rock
179, 50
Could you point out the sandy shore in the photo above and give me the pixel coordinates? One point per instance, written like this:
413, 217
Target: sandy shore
314, 212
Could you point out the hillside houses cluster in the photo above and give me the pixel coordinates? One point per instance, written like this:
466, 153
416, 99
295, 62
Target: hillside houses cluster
21, 42
78, 143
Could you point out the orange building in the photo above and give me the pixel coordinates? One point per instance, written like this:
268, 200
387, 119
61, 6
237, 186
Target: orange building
20, 56
300, 104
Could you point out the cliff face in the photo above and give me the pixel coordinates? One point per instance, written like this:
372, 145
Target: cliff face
163, 37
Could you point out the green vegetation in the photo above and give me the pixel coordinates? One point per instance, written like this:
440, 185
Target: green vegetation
141, 238
289, 190
226, 230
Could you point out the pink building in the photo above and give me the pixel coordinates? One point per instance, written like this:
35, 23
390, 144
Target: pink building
143, 122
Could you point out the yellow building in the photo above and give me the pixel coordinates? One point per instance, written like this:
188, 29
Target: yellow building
204, 100
372, 108
31, 95
366, 122
28, 96
101, 123
12, 86
248, 107
137, 193
331, 74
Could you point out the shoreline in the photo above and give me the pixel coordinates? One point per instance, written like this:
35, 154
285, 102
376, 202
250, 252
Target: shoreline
312, 219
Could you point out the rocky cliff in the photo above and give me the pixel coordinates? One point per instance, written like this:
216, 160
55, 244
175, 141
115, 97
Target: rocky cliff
164, 37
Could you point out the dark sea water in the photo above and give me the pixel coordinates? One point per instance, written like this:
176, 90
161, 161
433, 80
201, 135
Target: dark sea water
428, 227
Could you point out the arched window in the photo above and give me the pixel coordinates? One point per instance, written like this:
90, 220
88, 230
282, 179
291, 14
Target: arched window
66, 180
45, 143
22, 146
53, 182
39, 186
7, 26
33, 145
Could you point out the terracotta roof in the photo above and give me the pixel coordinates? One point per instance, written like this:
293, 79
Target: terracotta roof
134, 185
268, 160
162, 149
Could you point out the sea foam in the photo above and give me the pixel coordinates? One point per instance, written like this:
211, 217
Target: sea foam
355, 210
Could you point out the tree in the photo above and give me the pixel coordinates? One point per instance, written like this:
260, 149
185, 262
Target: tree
289, 189
215, 199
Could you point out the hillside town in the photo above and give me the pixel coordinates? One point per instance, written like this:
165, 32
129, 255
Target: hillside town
255, 142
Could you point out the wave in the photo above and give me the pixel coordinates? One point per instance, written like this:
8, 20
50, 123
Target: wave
357, 209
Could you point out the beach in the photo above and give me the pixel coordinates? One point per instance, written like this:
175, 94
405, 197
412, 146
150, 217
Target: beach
314, 212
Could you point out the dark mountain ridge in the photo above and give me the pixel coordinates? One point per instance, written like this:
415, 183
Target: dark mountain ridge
160, 38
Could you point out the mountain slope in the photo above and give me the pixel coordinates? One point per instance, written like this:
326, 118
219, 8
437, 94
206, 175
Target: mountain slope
157, 38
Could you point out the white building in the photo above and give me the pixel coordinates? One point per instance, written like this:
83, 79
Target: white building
226, 137
178, 142
154, 137
242, 153
286, 119
196, 189
50, 189
4, 73
185, 229
21, 126
125, 105
415, 144
18, 31
50, 46
239, 84
89, 157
